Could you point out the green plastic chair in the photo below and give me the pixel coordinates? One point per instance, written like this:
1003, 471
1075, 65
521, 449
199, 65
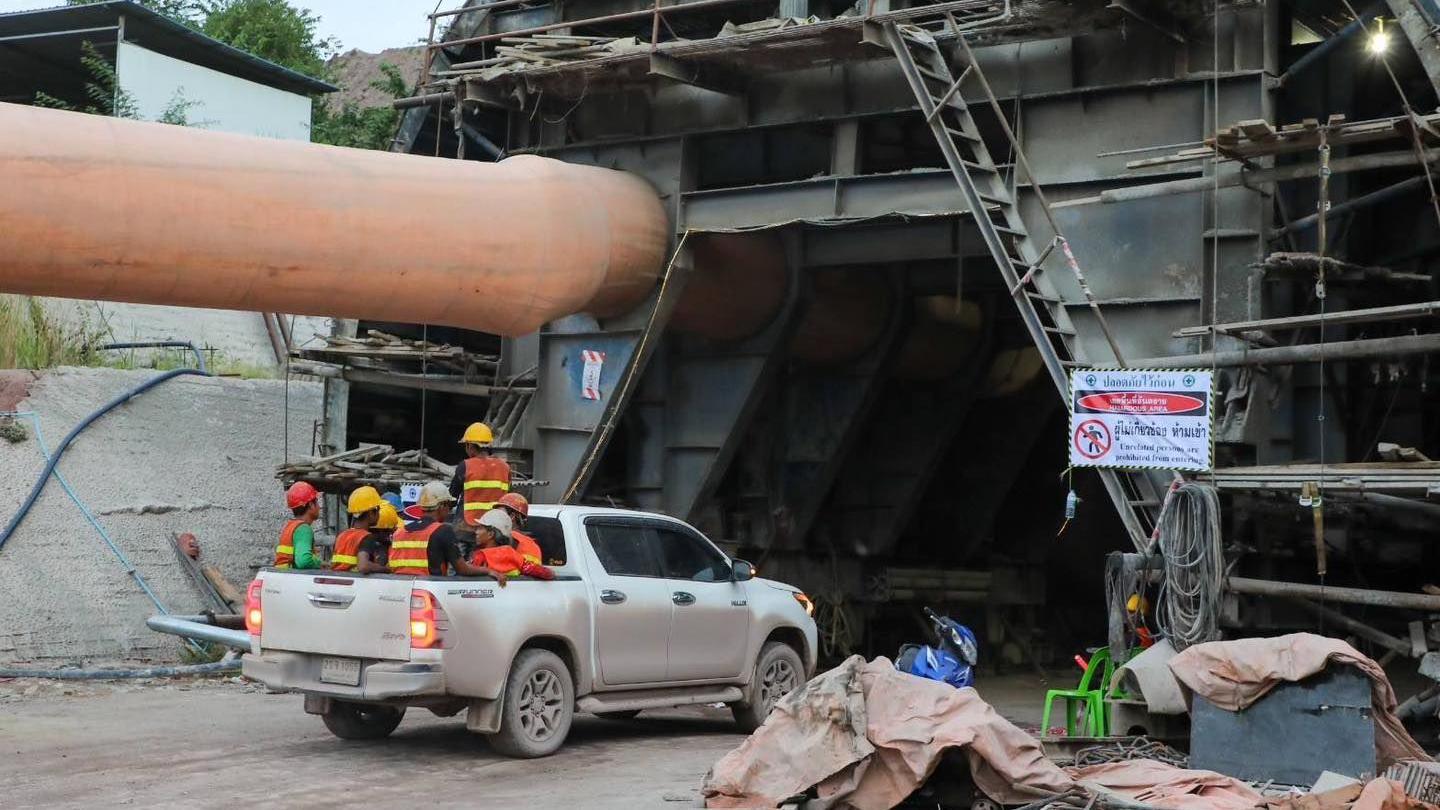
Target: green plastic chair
1089, 696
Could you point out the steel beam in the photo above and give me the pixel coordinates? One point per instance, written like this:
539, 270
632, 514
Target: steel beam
1398, 346
1331, 593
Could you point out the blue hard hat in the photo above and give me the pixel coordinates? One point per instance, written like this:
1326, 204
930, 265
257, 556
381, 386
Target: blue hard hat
393, 499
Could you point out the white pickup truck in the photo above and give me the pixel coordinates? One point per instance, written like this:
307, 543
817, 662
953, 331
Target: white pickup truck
643, 613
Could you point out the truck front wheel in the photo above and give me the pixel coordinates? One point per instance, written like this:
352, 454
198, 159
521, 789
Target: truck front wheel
360, 721
539, 706
778, 670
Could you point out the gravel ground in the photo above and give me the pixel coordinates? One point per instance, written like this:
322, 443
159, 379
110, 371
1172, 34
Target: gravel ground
225, 741
195, 454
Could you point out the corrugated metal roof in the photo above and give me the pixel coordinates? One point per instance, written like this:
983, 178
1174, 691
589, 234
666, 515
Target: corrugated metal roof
161, 34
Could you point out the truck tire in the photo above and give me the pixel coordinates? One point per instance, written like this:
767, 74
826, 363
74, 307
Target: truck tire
361, 721
778, 670
539, 706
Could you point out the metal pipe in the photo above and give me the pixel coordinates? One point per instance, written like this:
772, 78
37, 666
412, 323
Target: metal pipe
277, 344
1359, 628
1397, 346
176, 626
1331, 593
1363, 201
1386, 160
422, 100
110, 209
160, 344
1323, 49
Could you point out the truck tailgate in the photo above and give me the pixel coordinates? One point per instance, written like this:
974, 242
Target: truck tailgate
360, 617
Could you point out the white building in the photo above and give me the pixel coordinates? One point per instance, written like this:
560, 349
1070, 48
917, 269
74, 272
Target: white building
161, 64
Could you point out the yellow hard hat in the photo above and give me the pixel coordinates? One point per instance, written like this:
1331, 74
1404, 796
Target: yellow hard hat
477, 433
389, 518
363, 500
1137, 604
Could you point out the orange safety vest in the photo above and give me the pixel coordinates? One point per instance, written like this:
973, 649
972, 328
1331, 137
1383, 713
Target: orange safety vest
347, 545
500, 559
285, 551
486, 479
526, 545
410, 551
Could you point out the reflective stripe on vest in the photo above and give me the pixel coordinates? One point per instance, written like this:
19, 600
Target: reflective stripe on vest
479, 507
347, 548
503, 486
410, 551
285, 549
526, 545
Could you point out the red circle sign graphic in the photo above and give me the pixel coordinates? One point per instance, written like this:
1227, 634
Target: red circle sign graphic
1092, 438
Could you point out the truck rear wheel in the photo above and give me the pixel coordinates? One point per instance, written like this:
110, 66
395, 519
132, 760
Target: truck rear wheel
539, 706
361, 721
778, 670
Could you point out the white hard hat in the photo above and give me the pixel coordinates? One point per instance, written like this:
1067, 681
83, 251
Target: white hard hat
498, 520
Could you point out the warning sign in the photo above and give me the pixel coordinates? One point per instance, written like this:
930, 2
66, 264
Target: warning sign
590, 375
1135, 419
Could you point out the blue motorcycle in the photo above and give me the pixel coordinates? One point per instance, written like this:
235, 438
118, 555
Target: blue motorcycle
953, 662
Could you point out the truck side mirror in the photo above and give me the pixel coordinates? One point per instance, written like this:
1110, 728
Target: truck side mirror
741, 571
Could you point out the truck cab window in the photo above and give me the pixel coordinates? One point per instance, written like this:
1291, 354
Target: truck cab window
550, 536
624, 551
685, 556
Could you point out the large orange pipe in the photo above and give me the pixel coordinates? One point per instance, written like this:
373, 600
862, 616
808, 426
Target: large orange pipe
116, 210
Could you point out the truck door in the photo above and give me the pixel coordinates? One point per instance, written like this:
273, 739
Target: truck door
711, 624
632, 602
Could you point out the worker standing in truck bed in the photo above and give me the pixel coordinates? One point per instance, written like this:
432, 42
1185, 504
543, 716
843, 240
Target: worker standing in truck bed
364, 509
481, 478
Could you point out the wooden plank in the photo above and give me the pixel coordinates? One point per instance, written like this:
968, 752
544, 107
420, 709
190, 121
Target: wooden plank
1373, 314
1257, 130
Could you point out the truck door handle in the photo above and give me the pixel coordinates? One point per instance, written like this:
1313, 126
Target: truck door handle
683, 598
325, 600
610, 597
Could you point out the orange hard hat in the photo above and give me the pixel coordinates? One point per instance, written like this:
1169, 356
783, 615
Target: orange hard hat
299, 494
515, 501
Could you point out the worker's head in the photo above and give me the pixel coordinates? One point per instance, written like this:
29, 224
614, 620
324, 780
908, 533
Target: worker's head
303, 500
477, 439
493, 529
436, 500
387, 521
515, 506
364, 506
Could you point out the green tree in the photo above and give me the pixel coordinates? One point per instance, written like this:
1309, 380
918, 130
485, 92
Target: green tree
184, 11
271, 29
102, 89
357, 126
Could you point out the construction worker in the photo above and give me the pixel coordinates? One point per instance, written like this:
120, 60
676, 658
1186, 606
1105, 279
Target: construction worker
373, 556
364, 509
481, 478
518, 509
296, 548
497, 550
429, 546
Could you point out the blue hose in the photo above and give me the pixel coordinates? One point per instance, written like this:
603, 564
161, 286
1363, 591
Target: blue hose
29, 502
107, 674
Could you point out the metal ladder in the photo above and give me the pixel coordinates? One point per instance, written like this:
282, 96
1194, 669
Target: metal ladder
1137, 497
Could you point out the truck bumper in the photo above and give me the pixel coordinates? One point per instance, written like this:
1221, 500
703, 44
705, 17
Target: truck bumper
379, 680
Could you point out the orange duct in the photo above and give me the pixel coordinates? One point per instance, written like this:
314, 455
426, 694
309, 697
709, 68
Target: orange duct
116, 210
736, 287
845, 317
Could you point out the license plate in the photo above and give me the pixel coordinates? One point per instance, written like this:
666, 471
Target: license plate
345, 671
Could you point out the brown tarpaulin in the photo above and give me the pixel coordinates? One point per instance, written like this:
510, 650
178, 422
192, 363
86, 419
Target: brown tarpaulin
1235, 674
868, 735
1160, 785
1379, 794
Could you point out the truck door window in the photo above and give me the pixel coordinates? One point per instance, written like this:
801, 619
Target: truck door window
624, 551
686, 556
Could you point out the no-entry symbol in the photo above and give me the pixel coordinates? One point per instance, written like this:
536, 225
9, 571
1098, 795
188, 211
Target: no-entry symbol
1092, 438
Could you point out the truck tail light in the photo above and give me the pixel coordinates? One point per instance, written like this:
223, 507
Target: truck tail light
428, 621
254, 615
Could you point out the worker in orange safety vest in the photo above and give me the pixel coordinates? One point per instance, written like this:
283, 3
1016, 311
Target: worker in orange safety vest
518, 508
430, 546
296, 548
497, 551
364, 509
481, 478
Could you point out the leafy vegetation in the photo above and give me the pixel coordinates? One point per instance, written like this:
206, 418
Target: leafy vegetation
357, 126
32, 337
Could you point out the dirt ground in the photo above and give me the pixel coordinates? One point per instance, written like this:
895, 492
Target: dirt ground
226, 742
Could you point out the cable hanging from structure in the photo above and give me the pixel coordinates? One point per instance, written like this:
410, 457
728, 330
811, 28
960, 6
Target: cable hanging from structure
1188, 612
